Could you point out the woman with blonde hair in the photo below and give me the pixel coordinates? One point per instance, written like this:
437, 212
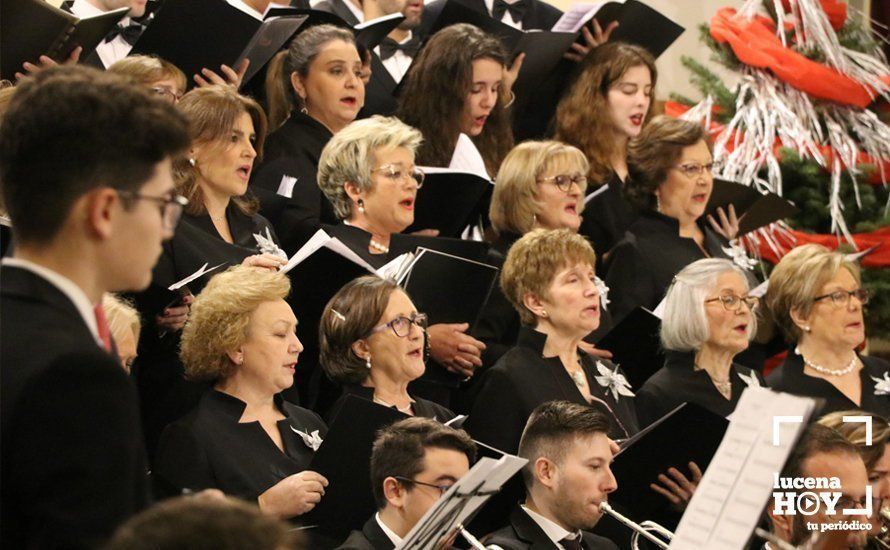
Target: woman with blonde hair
162, 77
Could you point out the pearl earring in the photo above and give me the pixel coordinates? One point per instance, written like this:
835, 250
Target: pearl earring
543, 313
368, 362
361, 206
807, 328
192, 162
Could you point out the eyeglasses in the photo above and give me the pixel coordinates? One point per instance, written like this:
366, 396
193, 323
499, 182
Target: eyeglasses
171, 207
564, 181
397, 174
401, 325
441, 488
167, 94
694, 169
731, 302
841, 298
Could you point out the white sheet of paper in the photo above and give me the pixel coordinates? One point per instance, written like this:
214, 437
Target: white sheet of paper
319, 240
395, 268
200, 273
466, 158
578, 15
738, 483
370, 22
286, 187
599, 190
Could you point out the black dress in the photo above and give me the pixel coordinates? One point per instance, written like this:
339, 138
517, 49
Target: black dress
524, 379
293, 150
164, 393
607, 217
358, 240
642, 265
678, 382
211, 449
420, 407
789, 377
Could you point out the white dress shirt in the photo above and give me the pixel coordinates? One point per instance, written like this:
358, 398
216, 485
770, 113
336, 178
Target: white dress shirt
67, 287
507, 18
396, 540
109, 52
553, 531
398, 64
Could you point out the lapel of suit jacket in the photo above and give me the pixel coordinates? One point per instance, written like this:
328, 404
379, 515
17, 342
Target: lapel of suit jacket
529, 531
381, 74
376, 536
342, 10
21, 283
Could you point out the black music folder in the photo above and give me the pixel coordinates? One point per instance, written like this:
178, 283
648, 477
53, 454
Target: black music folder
754, 209
400, 243
450, 201
639, 24
344, 458
31, 28
635, 345
272, 36
689, 433
368, 34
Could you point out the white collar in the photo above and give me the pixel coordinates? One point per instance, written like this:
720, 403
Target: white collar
356, 11
82, 8
394, 538
66, 286
242, 6
553, 530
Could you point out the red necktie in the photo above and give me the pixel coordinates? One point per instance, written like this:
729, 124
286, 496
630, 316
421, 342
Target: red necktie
102, 324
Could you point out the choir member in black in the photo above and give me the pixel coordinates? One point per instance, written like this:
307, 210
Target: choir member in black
873, 443
219, 225
85, 159
816, 296
549, 278
670, 181
160, 76
348, 10
315, 90
118, 43
459, 84
541, 185
367, 173
243, 438
606, 106
566, 479
372, 342
391, 59
708, 319
413, 462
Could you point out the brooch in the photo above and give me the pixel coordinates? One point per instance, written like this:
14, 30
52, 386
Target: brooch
882, 385
613, 381
313, 440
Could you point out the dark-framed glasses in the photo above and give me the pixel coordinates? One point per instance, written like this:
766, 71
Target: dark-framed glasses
731, 302
841, 298
401, 325
400, 175
564, 182
171, 207
167, 94
441, 488
694, 169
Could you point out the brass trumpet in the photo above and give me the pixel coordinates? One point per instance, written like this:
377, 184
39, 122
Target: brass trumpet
645, 529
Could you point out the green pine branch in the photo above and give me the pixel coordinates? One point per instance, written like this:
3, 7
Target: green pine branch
708, 83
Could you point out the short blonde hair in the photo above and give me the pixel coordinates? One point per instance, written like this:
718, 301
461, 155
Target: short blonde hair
684, 326
349, 156
513, 203
147, 69
797, 278
220, 319
121, 316
533, 262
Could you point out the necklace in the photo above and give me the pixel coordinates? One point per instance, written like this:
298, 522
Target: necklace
379, 247
406, 409
723, 386
825, 370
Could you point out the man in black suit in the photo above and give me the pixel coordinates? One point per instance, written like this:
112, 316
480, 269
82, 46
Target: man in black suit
566, 479
347, 10
413, 463
85, 160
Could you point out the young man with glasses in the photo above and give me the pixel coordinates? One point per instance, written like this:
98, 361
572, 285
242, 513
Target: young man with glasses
85, 160
413, 463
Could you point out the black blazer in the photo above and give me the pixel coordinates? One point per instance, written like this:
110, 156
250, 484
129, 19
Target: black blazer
607, 217
164, 393
789, 377
678, 382
422, 407
523, 379
642, 265
293, 150
67, 412
210, 448
371, 537
380, 91
524, 534
338, 8
538, 15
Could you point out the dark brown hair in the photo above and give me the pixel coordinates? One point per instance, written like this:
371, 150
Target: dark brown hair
582, 117
212, 112
651, 154
436, 89
858, 433
399, 450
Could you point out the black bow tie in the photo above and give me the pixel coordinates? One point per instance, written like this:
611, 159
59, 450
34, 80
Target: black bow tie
389, 47
572, 544
130, 33
516, 9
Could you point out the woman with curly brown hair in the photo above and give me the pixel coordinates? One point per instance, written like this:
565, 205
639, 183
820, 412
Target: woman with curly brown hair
460, 84
606, 107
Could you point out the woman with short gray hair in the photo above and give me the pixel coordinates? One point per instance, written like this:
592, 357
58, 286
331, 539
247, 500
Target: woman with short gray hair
709, 318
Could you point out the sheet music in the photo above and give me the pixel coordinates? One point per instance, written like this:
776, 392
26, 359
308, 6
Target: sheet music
396, 268
322, 239
578, 15
376, 20
466, 158
200, 273
737, 485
